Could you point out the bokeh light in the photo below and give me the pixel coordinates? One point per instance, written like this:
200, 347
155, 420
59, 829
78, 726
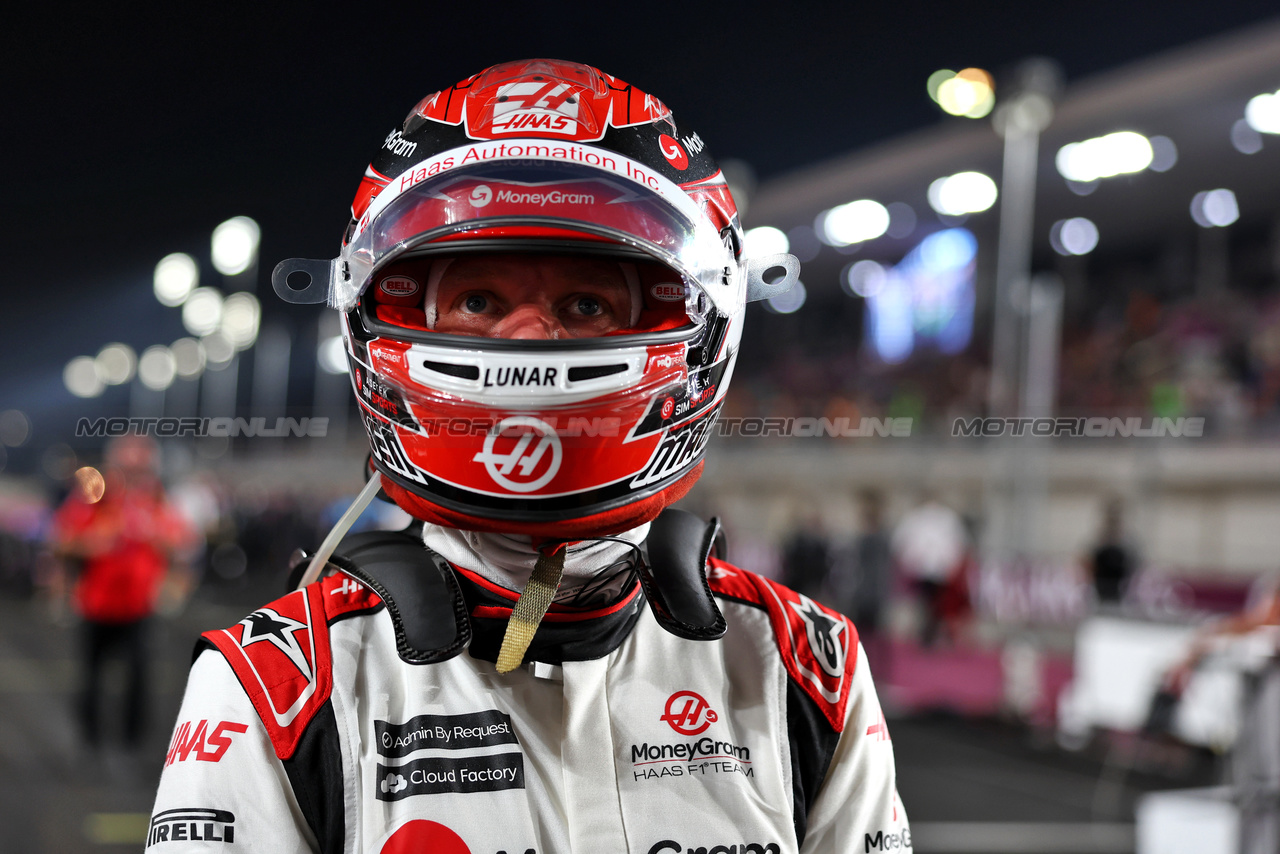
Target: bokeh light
1215, 208
157, 368
116, 363
91, 484
1245, 139
969, 93
80, 376
864, 278
188, 357
1263, 112
15, 428
789, 302
240, 317
1075, 236
1164, 154
765, 240
218, 350
855, 222
1118, 153
962, 193
202, 312
235, 245
175, 278
332, 355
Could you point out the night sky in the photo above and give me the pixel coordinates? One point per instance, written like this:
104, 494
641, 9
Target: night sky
130, 131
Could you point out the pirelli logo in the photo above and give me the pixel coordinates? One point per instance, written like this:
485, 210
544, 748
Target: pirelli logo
192, 824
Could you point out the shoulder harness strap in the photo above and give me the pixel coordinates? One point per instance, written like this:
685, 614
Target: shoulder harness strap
674, 576
417, 586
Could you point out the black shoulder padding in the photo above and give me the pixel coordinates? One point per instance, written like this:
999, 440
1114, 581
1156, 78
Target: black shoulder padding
417, 586
813, 744
315, 773
675, 575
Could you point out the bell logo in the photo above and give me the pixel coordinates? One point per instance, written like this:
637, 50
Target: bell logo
526, 443
688, 713
480, 196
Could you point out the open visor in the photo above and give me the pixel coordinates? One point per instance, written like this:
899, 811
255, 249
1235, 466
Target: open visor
610, 200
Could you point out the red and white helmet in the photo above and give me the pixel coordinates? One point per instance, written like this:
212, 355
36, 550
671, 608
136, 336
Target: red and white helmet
555, 438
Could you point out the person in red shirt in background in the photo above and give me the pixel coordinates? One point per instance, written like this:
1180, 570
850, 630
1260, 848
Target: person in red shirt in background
119, 530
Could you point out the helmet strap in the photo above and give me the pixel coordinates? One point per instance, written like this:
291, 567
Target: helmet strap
531, 607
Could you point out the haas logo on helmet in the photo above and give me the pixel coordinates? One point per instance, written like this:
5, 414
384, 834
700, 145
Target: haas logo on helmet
521, 453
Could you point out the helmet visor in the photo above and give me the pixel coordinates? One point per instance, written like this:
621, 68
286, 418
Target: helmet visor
528, 199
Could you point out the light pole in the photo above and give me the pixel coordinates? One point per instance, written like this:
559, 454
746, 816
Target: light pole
1019, 119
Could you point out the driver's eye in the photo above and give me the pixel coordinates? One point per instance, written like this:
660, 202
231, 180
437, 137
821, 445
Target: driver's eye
589, 306
476, 303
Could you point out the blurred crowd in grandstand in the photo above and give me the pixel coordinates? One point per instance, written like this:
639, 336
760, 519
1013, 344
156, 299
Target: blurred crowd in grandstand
1215, 356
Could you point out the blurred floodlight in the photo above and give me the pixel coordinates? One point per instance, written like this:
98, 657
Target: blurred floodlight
80, 376
766, 240
157, 367
962, 193
788, 303
936, 79
116, 363
851, 223
202, 312
1215, 208
188, 357
1164, 154
240, 316
218, 350
1263, 113
1082, 189
235, 245
1245, 139
175, 278
1116, 153
902, 220
970, 93
15, 428
949, 249
91, 483
332, 355
1075, 236
864, 278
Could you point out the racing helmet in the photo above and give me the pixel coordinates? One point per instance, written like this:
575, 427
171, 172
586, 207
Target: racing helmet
558, 438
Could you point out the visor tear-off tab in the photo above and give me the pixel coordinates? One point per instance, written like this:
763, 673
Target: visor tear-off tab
530, 608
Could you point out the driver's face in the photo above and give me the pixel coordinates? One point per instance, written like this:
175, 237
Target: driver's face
532, 297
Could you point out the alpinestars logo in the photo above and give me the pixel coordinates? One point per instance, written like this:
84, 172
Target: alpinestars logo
515, 450
688, 713
267, 625
823, 634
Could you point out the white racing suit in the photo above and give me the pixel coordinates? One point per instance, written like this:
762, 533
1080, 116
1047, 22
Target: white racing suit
353, 717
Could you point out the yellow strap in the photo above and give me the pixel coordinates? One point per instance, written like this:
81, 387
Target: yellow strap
530, 609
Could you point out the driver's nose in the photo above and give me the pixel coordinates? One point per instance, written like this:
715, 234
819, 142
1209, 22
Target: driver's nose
529, 322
